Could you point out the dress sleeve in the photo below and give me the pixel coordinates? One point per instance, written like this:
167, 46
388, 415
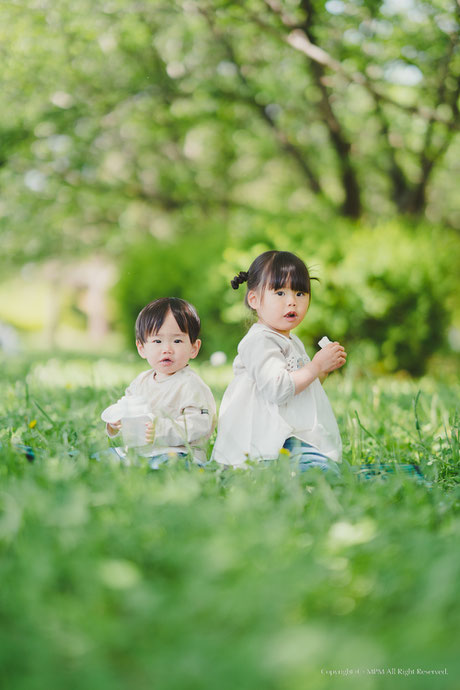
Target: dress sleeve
265, 361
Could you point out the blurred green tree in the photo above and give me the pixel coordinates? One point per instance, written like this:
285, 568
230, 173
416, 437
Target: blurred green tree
161, 133
118, 117
190, 270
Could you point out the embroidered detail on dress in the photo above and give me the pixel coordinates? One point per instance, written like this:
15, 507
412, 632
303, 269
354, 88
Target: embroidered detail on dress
294, 363
204, 410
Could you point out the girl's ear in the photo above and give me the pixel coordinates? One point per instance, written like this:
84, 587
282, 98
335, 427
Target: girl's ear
253, 299
195, 348
140, 349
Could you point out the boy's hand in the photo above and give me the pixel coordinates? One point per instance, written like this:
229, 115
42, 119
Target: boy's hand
331, 357
150, 432
114, 427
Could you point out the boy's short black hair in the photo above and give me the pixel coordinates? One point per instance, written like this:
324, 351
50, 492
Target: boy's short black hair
151, 318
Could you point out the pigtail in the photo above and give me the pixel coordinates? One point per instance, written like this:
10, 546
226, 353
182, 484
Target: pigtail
237, 280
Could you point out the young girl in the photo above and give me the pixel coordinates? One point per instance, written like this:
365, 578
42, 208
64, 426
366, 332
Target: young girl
276, 398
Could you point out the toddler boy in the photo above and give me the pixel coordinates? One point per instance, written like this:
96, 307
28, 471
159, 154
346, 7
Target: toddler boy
182, 405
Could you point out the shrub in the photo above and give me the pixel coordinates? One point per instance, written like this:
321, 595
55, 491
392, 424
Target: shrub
389, 290
186, 268
386, 292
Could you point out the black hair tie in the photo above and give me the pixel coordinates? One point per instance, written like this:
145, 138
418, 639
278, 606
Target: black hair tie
237, 280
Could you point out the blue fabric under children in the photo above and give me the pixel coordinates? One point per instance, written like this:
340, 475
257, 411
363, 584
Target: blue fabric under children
306, 456
154, 462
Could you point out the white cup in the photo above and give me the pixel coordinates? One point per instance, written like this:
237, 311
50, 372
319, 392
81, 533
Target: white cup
134, 414
133, 430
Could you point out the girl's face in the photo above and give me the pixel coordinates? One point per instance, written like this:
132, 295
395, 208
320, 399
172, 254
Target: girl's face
282, 309
170, 349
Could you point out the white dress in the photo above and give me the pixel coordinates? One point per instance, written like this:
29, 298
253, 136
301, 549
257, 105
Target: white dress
260, 410
184, 408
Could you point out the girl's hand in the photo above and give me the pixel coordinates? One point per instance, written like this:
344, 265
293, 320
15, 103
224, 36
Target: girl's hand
150, 432
113, 428
331, 357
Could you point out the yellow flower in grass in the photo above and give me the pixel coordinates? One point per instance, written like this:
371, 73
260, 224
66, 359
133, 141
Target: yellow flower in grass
32, 423
284, 451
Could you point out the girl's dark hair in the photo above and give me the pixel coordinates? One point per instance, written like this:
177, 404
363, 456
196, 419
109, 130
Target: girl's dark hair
151, 318
274, 270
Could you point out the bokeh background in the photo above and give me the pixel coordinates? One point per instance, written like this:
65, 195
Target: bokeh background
155, 148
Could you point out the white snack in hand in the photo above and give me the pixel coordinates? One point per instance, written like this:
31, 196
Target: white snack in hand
324, 341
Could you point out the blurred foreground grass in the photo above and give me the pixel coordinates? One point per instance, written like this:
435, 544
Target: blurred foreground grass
117, 577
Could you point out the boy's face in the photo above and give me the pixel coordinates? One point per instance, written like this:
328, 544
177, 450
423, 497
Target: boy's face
169, 350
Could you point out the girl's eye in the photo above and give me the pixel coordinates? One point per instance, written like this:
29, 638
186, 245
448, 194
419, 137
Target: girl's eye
156, 340
301, 294
280, 293
178, 340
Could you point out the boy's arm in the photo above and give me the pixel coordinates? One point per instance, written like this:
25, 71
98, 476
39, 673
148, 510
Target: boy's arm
113, 428
194, 423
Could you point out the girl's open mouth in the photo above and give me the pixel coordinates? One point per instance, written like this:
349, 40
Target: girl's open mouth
290, 315
166, 361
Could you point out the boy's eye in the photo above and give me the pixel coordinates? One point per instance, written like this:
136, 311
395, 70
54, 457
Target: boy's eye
178, 340
156, 340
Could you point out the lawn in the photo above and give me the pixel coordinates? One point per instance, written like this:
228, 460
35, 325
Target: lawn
118, 577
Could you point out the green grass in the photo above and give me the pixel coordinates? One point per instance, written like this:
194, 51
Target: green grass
117, 577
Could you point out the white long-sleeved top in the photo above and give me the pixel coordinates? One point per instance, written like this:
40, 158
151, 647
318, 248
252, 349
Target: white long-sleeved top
260, 410
184, 410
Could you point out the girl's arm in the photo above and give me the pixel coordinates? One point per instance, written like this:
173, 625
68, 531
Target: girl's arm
265, 361
331, 357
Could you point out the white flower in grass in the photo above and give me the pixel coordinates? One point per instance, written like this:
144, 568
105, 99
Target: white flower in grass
343, 534
217, 359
